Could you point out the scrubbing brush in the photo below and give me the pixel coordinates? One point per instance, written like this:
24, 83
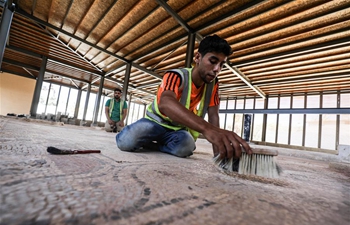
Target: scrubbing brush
261, 163
58, 151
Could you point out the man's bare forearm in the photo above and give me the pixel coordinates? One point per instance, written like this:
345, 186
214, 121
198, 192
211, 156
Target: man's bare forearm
213, 118
107, 113
125, 112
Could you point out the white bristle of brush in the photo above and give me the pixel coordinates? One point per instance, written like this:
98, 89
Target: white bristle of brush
260, 163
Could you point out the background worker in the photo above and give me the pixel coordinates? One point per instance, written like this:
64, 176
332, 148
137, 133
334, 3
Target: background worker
116, 111
173, 121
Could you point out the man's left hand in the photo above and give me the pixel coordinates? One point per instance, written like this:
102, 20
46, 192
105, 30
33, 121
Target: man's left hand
121, 123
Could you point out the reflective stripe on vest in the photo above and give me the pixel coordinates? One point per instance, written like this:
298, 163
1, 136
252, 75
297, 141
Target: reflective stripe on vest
154, 114
111, 106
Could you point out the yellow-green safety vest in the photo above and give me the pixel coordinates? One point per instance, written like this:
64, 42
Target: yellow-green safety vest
155, 115
111, 106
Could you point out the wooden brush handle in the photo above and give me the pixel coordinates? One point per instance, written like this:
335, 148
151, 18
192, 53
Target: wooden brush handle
262, 151
86, 151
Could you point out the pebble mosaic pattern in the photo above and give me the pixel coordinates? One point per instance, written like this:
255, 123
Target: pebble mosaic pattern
116, 187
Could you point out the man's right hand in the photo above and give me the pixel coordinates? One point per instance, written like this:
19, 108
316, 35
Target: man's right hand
226, 143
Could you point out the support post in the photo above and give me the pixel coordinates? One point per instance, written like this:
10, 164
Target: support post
277, 118
226, 113
77, 104
38, 86
320, 122
247, 123
127, 115
290, 120
65, 109
126, 81
190, 49
304, 120
58, 99
234, 115
97, 102
337, 123
144, 109
253, 117
264, 125
243, 119
86, 104
5, 24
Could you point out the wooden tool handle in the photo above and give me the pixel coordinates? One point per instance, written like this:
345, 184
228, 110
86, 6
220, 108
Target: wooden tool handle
262, 151
86, 151
54, 150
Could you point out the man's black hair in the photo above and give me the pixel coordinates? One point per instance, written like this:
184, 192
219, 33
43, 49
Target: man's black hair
118, 89
214, 43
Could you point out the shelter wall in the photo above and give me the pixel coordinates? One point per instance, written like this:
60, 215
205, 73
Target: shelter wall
16, 94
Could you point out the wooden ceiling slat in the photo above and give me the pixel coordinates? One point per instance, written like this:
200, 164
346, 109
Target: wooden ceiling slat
298, 85
291, 47
144, 32
331, 74
269, 43
297, 60
162, 51
287, 23
99, 26
51, 52
123, 23
92, 17
281, 46
324, 77
44, 39
40, 9
10, 54
21, 71
305, 88
302, 73
336, 64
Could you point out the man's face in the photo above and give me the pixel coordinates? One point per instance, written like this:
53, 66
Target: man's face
117, 95
210, 65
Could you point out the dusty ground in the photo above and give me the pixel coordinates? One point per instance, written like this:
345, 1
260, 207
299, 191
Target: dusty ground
117, 187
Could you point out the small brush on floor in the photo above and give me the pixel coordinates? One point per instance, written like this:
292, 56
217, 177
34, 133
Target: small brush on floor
261, 163
58, 151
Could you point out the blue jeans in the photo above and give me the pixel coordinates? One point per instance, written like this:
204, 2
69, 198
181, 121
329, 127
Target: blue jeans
144, 131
